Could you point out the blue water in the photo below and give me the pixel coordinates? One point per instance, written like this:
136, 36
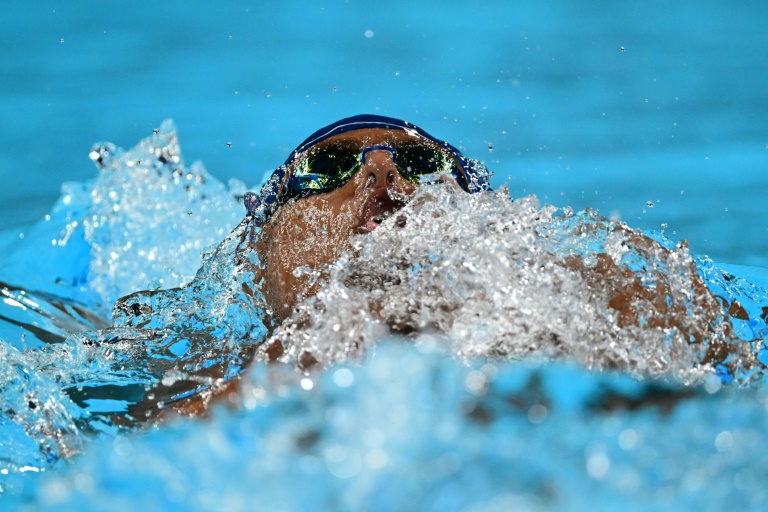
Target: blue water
654, 114
678, 117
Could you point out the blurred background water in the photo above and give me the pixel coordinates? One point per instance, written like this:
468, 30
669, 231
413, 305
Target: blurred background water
654, 112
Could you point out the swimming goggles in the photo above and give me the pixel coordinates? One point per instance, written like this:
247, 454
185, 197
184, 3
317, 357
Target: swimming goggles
322, 172
330, 167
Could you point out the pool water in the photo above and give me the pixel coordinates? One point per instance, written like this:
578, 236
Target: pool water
654, 116
588, 104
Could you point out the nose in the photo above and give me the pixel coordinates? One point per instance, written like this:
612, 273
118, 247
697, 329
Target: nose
379, 167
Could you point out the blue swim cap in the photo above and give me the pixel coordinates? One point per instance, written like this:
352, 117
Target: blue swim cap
264, 205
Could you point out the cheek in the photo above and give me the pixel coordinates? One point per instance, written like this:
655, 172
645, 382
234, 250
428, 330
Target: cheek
312, 235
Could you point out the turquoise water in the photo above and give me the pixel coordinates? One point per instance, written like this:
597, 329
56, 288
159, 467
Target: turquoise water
652, 114
678, 117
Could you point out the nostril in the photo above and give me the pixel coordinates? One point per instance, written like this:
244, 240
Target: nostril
371, 180
390, 178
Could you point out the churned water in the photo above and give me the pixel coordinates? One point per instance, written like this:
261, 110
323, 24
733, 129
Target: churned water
486, 352
469, 358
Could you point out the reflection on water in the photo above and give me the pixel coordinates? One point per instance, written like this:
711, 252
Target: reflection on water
435, 314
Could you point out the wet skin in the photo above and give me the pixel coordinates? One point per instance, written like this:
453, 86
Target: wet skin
312, 232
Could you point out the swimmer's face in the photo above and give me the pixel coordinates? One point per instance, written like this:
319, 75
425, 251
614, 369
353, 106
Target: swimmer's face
312, 232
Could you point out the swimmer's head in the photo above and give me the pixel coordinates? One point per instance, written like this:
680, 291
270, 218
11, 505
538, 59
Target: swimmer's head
309, 170
345, 179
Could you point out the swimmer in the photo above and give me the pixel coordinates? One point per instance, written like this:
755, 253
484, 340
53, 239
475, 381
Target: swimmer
345, 179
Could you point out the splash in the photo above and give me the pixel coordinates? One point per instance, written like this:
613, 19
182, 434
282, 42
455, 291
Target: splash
142, 223
476, 283
150, 217
484, 276
66, 382
410, 428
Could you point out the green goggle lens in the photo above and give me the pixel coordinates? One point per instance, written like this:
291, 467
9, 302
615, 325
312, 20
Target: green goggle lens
415, 161
324, 170
329, 168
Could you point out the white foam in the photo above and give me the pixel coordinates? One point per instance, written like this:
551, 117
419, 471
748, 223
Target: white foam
489, 276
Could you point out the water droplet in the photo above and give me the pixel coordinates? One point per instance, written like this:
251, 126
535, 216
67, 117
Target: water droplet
598, 466
712, 384
537, 414
369, 33
376, 459
724, 441
343, 377
629, 439
122, 446
475, 382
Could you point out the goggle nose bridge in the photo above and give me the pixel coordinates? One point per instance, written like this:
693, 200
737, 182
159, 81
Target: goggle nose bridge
378, 147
